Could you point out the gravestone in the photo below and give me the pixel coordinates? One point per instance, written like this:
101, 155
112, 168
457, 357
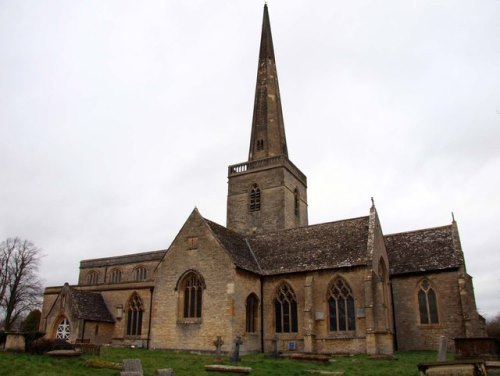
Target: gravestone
275, 352
235, 356
443, 348
132, 367
218, 347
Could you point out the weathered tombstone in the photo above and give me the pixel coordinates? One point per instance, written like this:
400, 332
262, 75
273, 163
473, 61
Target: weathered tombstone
218, 347
15, 342
132, 367
443, 348
165, 372
275, 352
235, 357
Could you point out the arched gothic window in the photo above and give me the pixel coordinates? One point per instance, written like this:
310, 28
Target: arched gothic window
140, 273
296, 202
255, 198
63, 330
116, 276
92, 278
192, 286
341, 307
427, 303
134, 315
252, 312
285, 307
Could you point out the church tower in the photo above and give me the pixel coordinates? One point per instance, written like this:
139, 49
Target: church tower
268, 192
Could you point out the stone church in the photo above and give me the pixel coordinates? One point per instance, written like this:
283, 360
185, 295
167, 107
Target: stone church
336, 287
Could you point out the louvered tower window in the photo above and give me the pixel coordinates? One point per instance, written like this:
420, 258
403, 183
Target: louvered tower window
255, 198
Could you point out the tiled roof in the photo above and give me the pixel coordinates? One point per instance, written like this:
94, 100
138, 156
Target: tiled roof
237, 246
123, 259
90, 306
430, 249
324, 246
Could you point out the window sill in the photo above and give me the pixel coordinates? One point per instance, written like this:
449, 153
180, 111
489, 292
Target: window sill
430, 326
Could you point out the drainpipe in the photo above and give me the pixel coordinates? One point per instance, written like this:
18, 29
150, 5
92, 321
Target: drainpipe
151, 289
83, 330
394, 319
261, 314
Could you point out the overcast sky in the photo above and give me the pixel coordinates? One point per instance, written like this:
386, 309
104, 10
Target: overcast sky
117, 118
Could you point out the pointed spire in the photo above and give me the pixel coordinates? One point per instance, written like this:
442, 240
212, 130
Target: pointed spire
268, 129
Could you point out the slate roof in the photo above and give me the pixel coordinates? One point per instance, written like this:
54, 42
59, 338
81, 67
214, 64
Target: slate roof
237, 247
324, 246
90, 306
424, 250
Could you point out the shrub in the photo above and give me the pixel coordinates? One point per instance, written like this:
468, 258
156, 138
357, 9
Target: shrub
43, 345
30, 337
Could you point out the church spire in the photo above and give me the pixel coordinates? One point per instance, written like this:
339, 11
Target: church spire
268, 129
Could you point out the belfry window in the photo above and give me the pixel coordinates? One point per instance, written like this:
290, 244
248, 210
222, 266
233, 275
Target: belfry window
260, 144
252, 305
255, 198
341, 307
63, 330
296, 202
193, 294
134, 316
285, 309
427, 303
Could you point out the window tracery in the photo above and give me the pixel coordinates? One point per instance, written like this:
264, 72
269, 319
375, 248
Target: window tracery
427, 303
285, 306
341, 307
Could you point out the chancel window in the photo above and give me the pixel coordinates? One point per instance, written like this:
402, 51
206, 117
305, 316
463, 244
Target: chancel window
255, 198
63, 330
140, 273
252, 312
341, 307
92, 278
134, 316
116, 276
285, 309
193, 294
427, 303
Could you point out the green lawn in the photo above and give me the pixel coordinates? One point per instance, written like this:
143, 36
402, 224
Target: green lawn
186, 364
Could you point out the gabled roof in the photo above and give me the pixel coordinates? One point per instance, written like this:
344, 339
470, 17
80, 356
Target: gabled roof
237, 246
88, 305
424, 250
324, 246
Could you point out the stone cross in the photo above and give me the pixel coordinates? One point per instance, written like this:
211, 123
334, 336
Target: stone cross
443, 348
218, 345
235, 356
275, 352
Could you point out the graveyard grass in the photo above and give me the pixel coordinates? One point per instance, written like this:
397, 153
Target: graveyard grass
186, 364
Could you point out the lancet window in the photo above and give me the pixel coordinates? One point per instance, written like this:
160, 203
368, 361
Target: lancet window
255, 198
427, 303
285, 307
134, 316
341, 307
252, 312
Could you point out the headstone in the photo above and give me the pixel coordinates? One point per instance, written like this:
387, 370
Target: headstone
132, 367
165, 372
275, 352
218, 347
235, 356
443, 348
15, 342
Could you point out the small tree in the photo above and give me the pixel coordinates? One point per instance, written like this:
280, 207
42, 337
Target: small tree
20, 286
493, 327
32, 321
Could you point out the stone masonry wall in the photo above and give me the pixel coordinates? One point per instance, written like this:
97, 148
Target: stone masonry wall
411, 335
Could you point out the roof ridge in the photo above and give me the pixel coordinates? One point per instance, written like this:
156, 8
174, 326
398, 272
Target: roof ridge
419, 230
